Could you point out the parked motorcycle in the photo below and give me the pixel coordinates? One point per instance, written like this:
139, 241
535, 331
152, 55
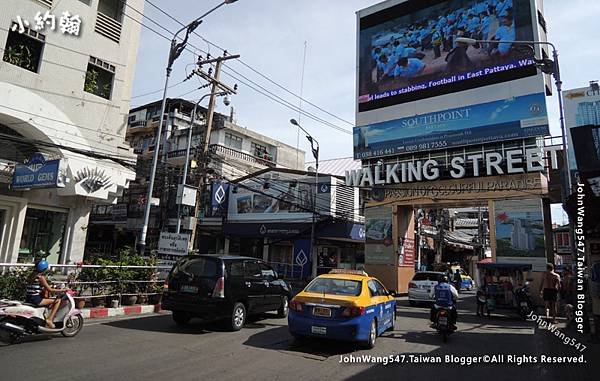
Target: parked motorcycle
523, 300
442, 323
20, 319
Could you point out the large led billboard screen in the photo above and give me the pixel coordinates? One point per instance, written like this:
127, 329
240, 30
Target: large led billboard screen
409, 52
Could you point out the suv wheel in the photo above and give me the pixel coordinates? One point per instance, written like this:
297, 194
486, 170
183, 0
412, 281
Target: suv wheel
238, 317
283, 308
181, 318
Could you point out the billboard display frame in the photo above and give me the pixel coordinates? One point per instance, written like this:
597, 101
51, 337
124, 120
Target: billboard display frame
535, 83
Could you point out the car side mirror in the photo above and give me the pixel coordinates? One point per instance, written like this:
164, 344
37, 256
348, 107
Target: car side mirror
392, 293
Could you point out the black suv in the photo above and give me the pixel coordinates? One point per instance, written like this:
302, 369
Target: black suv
223, 287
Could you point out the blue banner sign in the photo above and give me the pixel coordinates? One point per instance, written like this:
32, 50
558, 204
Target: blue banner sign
508, 119
36, 173
220, 198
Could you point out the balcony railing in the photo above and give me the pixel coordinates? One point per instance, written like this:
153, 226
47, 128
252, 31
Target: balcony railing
108, 27
138, 123
47, 3
230, 152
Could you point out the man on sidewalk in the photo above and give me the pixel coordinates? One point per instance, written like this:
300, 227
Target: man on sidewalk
549, 290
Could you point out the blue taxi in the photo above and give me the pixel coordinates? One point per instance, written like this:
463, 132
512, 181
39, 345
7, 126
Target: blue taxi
343, 305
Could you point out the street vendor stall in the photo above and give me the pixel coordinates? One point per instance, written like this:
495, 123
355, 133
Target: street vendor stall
505, 285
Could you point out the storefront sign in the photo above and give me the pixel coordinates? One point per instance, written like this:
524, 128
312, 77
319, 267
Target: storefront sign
173, 244
465, 189
491, 164
37, 173
406, 257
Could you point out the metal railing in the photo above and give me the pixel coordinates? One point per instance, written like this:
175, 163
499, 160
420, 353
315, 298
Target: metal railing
86, 289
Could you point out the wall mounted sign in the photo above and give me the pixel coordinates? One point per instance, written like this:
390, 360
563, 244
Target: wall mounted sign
37, 173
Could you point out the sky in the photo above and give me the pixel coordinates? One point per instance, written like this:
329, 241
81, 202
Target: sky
271, 35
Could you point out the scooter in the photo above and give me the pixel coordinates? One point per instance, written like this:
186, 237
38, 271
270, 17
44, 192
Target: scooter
442, 323
22, 319
524, 303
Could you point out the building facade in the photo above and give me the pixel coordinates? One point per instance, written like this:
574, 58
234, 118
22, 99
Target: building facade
234, 151
65, 83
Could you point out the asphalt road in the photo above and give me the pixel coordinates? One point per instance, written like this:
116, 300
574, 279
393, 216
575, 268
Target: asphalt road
152, 347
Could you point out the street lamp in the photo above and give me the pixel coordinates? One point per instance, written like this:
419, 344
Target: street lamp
314, 146
175, 51
187, 150
547, 66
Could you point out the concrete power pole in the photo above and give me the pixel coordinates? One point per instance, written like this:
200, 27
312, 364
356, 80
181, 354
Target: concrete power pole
217, 88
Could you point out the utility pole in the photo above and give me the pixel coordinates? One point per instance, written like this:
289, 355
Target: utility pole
216, 88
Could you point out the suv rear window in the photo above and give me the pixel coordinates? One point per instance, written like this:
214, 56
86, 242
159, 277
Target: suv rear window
427, 276
201, 267
334, 286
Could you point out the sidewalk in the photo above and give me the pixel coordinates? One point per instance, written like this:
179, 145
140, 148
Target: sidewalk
100, 312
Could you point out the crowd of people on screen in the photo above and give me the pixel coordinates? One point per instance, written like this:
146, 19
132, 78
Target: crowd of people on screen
400, 52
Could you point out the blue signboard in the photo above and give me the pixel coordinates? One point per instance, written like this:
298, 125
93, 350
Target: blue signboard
219, 198
302, 258
36, 173
508, 119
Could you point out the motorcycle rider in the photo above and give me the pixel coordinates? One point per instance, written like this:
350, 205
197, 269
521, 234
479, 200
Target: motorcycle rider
445, 297
38, 287
457, 280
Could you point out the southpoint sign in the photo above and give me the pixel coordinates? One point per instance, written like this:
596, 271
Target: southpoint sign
514, 161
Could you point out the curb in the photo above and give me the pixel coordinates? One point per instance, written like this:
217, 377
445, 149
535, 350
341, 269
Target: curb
100, 312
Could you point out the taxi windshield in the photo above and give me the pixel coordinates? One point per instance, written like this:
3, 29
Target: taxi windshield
333, 286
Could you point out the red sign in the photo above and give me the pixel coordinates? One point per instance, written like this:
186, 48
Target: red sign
406, 257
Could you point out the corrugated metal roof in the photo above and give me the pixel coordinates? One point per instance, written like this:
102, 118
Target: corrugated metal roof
336, 167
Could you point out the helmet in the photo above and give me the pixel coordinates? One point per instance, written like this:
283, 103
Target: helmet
41, 265
444, 279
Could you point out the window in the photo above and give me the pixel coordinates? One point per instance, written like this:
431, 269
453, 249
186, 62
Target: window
381, 291
559, 239
334, 286
267, 271
99, 78
233, 141
42, 235
131, 118
259, 150
24, 49
200, 267
252, 270
86, 2
372, 288
236, 269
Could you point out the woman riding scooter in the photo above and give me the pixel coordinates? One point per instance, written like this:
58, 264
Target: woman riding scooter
38, 288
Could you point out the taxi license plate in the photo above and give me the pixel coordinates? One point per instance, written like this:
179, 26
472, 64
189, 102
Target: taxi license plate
443, 321
191, 289
323, 312
318, 330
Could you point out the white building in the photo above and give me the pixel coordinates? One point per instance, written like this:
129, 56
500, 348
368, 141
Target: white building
234, 152
63, 93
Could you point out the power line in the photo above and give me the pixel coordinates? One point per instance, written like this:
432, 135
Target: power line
264, 91
253, 69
